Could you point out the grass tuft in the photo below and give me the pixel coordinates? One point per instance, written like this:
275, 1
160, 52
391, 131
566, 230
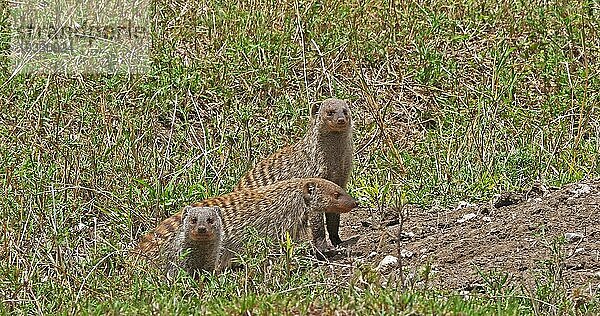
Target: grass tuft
451, 101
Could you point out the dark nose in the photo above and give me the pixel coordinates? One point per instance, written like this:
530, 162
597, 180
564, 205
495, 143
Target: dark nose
202, 230
350, 202
341, 120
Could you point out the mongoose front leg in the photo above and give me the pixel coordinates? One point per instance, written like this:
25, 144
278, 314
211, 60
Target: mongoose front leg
333, 227
317, 227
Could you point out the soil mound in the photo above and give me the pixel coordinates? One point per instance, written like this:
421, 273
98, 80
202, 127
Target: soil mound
541, 235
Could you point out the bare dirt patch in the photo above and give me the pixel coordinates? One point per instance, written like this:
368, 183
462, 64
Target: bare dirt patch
541, 235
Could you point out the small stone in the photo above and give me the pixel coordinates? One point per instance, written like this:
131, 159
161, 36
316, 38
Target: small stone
579, 250
404, 236
372, 254
465, 294
463, 204
487, 219
597, 274
388, 262
467, 217
424, 250
573, 237
581, 189
406, 253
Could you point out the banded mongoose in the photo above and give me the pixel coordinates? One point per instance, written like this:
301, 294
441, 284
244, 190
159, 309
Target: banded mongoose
190, 240
272, 210
325, 152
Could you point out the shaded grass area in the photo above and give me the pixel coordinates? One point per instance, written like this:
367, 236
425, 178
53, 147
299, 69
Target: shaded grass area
451, 101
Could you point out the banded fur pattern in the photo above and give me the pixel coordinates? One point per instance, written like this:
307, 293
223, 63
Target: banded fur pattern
273, 209
326, 151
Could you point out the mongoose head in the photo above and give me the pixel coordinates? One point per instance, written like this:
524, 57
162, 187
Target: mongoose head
325, 196
332, 115
201, 224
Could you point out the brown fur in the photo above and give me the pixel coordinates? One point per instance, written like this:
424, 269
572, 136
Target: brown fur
325, 152
272, 210
191, 240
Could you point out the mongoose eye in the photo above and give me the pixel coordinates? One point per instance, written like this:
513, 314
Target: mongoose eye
330, 112
210, 220
336, 195
345, 111
193, 220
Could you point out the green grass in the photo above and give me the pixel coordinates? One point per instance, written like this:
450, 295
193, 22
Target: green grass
451, 101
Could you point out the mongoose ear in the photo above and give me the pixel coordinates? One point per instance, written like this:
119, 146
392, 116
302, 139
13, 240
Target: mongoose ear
308, 190
314, 109
185, 211
218, 211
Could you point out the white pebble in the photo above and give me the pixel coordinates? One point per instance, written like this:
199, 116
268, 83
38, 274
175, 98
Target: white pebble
406, 253
388, 262
572, 237
467, 217
463, 204
581, 189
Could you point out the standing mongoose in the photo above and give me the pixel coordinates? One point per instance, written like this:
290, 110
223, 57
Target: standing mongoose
190, 240
272, 210
325, 152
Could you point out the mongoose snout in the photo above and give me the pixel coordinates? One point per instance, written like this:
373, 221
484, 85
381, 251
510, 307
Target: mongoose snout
348, 202
336, 115
329, 196
201, 234
205, 230
344, 204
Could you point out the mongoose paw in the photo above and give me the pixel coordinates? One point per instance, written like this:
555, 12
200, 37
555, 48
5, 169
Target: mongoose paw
341, 250
324, 249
